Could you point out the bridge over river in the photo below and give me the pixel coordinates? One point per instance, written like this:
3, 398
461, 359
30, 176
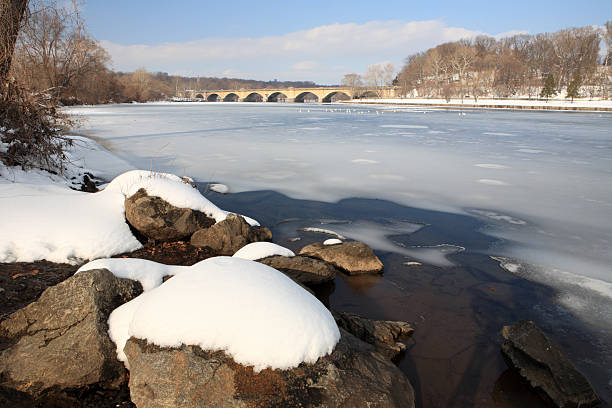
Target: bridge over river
320, 94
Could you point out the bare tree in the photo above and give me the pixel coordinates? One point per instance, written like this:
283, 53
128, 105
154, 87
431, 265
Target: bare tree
11, 15
354, 83
378, 76
54, 49
461, 62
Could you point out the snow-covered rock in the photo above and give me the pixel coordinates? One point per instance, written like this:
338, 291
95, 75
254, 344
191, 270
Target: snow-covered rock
157, 219
259, 250
254, 313
41, 219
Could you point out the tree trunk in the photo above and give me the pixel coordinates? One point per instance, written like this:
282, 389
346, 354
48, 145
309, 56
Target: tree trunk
11, 13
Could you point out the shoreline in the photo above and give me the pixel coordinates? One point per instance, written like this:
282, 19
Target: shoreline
472, 106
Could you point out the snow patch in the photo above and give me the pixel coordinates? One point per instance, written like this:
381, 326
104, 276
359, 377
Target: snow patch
260, 250
491, 166
150, 274
332, 241
322, 231
219, 188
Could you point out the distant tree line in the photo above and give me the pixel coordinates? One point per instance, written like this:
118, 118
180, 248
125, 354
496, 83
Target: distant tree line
55, 55
521, 65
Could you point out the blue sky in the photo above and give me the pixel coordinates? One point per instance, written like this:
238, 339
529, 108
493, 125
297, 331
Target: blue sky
177, 37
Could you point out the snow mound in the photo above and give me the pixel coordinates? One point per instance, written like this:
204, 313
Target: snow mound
42, 218
259, 250
175, 190
249, 310
150, 274
332, 241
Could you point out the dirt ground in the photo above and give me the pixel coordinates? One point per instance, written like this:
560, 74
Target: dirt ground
22, 283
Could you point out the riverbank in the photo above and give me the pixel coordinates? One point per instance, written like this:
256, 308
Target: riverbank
500, 104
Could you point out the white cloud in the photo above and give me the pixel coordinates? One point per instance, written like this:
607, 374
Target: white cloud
305, 65
316, 51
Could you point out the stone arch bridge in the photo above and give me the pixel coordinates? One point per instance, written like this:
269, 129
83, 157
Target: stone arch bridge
321, 94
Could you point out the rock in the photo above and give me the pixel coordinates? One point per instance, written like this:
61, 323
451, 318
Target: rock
354, 258
382, 334
157, 219
88, 185
546, 368
354, 375
228, 236
61, 340
302, 269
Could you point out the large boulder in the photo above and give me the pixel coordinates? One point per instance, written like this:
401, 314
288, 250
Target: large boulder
354, 375
302, 269
228, 236
157, 219
546, 368
354, 258
61, 340
385, 335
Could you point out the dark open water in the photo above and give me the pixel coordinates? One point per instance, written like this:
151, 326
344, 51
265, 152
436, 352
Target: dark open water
453, 359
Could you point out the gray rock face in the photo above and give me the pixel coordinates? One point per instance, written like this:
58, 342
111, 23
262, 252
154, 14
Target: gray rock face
385, 335
157, 219
61, 340
307, 271
354, 258
354, 375
228, 236
544, 365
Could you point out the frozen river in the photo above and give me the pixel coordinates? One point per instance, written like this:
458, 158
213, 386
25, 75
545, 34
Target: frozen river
542, 181
466, 192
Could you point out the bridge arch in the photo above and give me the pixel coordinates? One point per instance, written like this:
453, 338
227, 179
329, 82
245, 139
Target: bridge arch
254, 97
368, 94
231, 97
199, 96
277, 97
306, 97
335, 96
213, 98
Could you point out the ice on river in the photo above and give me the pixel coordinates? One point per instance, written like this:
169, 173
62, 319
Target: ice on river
551, 170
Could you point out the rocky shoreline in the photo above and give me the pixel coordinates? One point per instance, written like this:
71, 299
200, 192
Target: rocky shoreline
40, 336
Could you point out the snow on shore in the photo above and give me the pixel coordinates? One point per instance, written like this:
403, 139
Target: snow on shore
42, 218
487, 102
251, 311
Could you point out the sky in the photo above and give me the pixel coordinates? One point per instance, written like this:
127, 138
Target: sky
309, 40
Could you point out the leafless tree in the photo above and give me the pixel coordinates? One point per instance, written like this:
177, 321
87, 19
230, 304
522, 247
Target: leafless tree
11, 15
54, 49
354, 83
378, 76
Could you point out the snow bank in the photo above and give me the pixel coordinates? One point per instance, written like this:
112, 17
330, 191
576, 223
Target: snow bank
43, 219
260, 250
55, 223
250, 311
552, 103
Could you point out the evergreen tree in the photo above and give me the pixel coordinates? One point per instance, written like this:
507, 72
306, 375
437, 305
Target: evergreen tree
549, 87
574, 86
